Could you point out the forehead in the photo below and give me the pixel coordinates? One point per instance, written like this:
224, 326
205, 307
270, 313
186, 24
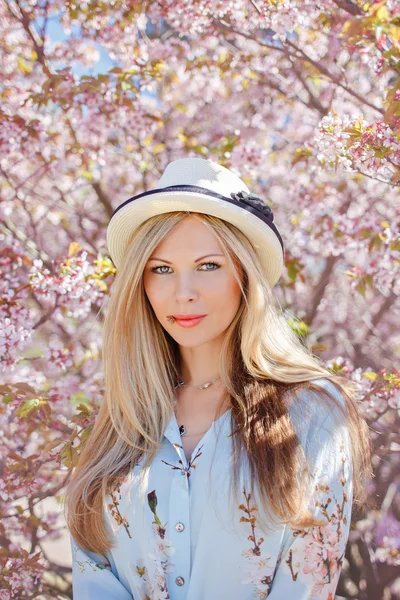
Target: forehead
191, 233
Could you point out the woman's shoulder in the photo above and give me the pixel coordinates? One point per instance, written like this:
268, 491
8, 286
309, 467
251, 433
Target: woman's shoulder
313, 410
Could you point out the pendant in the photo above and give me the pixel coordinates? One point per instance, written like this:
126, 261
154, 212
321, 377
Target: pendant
182, 430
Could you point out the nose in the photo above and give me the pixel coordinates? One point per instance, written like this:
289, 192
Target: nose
186, 290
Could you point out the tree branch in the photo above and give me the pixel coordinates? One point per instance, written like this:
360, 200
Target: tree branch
104, 200
314, 102
333, 78
349, 7
39, 48
299, 55
320, 289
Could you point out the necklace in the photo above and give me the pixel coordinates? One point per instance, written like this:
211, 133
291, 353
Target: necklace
198, 387
182, 428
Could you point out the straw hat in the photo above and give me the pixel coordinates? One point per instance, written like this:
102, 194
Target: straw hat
203, 186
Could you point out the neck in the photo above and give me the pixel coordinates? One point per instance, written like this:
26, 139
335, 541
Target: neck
199, 365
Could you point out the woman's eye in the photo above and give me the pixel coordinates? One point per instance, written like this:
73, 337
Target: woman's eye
154, 269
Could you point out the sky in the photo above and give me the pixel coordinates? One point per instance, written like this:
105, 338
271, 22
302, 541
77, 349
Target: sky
56, 33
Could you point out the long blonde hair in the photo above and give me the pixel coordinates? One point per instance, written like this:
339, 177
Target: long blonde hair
262, 364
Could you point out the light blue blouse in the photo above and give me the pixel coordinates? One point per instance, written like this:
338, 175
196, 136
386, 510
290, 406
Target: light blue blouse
191, 540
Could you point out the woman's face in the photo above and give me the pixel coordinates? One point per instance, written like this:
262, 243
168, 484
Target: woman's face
188, 273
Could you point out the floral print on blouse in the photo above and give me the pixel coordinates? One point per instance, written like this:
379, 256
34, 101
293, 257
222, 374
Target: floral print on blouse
191, 540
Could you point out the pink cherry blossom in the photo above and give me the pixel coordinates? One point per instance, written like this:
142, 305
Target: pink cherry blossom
298, 98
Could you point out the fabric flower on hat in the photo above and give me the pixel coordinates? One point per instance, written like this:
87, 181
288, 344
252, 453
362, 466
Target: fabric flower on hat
254, 201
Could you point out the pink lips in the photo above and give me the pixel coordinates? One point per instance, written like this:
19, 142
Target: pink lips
189, 322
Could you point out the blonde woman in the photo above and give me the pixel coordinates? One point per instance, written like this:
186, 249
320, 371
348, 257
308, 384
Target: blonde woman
226, 458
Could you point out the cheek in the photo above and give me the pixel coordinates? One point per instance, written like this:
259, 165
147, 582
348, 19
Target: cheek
226, 290
235, 294
154, 292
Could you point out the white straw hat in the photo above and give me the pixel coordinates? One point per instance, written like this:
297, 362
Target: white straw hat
203, 186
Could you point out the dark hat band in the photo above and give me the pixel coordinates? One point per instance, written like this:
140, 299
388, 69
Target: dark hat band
266, 217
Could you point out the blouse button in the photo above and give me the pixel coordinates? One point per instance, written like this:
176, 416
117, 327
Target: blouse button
179, 581
179, 527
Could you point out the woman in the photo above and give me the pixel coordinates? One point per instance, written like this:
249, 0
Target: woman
225, 458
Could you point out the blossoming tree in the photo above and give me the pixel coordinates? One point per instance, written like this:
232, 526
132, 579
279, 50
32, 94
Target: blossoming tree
302, 100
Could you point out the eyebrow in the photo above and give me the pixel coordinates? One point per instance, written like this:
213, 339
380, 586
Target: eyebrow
196, 261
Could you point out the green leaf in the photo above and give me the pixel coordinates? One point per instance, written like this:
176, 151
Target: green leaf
85, 433
299, 327
84, 409
370, 375
292, 271
301, 154
69, 455
51, 445
4, 389
29, 406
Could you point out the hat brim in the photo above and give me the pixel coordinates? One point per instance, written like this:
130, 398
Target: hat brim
133, 214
